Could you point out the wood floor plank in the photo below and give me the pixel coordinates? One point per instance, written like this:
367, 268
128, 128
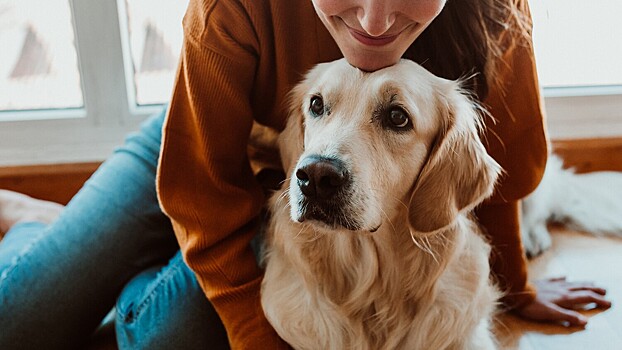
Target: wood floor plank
579, 257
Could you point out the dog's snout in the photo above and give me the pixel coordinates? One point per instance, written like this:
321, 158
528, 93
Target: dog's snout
320, 178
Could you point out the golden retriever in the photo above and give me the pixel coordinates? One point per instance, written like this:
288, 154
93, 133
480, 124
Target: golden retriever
370, 244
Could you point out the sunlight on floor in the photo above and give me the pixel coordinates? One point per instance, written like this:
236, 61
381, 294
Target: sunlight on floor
580, 257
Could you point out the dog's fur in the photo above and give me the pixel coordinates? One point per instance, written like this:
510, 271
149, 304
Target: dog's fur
392, 260
590, 202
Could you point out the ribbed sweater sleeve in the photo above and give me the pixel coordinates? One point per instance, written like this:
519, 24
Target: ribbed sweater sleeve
518, 141
205, 184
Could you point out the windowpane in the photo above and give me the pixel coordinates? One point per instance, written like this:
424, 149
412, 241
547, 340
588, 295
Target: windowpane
155, 35
38, 64
578, 42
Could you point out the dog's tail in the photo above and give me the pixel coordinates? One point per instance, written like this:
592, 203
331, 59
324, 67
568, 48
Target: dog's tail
590, 202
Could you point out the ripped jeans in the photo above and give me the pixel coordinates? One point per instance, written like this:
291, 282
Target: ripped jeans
111, 246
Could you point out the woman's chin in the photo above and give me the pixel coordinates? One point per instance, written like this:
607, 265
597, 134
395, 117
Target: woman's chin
371, 62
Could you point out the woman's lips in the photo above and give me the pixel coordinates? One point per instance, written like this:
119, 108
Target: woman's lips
372, 41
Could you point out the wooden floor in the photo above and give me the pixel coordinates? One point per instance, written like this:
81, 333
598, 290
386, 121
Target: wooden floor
580, 257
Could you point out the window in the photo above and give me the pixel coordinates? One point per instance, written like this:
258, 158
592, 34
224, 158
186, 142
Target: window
578, 43
39, 66
126, 52
152, 35
77, 76
578, 50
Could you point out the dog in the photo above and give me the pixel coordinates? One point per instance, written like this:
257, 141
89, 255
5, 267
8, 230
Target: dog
590, 202
371, 244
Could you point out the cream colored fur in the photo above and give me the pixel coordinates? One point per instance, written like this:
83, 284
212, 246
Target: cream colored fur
414, 274
590, 202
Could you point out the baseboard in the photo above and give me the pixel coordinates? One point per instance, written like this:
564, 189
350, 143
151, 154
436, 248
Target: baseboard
59, 182
587, 155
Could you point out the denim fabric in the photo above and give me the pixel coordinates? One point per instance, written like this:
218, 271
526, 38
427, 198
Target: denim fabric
112, 243
164, 308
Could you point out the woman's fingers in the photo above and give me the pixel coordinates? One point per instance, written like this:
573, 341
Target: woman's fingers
581, 286
571, 317
551, 312
576, 299
557, 279
557, 301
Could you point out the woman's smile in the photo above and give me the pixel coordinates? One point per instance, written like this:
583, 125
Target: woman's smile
369, 40
375, 34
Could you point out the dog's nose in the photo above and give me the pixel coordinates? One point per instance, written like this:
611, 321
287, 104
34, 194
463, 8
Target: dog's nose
320, 178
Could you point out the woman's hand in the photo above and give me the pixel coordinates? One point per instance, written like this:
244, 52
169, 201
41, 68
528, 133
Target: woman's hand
557, 301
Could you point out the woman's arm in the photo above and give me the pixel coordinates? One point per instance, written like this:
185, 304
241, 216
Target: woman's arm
205, 183
518, 142
516, 138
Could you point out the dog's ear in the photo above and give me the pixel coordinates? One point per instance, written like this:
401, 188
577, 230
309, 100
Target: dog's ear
291, 139
458, 173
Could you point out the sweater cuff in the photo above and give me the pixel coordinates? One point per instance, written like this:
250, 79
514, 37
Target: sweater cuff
244, 320
500, 222
514, 301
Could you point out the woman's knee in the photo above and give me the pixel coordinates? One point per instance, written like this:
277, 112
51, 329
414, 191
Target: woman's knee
145, 143
164, 308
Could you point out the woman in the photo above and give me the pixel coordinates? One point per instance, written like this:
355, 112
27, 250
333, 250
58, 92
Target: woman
239, 60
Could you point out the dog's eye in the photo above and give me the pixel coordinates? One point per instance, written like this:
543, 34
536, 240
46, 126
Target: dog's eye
398, 119
316, 106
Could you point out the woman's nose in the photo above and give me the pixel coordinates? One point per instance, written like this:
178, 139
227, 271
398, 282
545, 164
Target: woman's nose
376, 16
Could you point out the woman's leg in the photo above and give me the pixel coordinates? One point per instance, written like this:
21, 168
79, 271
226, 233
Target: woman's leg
165, 308
58, 281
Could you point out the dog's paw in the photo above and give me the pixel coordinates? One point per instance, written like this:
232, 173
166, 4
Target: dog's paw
536, 240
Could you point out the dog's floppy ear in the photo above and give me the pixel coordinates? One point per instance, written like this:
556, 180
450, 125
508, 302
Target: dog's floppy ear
291, 140
458, 173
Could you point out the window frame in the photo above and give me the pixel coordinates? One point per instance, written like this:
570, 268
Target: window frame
583, 113
92, 132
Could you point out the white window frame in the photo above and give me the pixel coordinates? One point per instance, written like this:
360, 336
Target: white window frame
91, 133
110, 112
584, 112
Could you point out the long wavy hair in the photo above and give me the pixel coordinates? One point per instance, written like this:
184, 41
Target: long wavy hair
468, 39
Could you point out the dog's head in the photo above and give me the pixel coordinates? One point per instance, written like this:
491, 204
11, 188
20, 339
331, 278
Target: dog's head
361, 148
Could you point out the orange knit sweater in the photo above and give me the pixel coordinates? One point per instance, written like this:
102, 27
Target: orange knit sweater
239, 60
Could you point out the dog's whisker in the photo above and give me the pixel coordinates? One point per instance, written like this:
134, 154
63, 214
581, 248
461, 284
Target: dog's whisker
384, 213
424, 245
284, 181
303, 228
430, 249
283, 196
400, 202
317, 233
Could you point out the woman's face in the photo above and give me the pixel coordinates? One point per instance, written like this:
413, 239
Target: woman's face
374, 34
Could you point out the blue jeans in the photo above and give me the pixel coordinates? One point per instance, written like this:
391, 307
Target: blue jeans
111, 246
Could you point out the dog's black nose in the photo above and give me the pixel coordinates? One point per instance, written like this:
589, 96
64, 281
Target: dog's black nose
320, 178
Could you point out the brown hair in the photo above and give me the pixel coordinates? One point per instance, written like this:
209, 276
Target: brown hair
468, 39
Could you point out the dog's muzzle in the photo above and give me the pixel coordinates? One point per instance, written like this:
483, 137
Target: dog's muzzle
324, 183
